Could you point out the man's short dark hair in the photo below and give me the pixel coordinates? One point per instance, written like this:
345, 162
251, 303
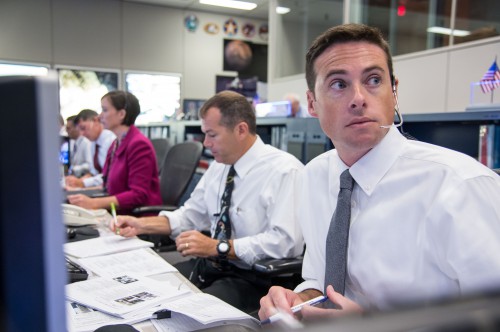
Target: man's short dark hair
126, 101
234, 108
84, 115
344, 34
71, 119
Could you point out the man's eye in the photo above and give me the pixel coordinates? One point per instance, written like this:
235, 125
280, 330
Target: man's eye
374, 80
338, 85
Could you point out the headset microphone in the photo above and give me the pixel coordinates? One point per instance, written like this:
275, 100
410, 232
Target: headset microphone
397, 106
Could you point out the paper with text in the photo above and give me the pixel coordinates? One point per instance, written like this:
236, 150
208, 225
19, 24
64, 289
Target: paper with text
144, 262
123, 294
206, 308
104, 245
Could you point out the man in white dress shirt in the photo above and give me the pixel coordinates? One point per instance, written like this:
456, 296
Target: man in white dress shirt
261, 219
81, 157
91, 128
425, 220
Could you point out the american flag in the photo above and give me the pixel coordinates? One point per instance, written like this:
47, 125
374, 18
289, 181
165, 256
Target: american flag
491, 79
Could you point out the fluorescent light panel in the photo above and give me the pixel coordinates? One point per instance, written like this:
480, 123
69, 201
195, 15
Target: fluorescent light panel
282, 10
446, 31
230, 4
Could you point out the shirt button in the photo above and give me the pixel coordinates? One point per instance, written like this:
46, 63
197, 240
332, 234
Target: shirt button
368, 188
353, 204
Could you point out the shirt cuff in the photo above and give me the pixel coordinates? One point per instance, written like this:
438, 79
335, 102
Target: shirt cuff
308, 284
243, 251
175, 223
93, 181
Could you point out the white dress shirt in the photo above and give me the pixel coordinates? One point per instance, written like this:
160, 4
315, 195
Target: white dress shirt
261, 213
425, 223
81, 157
104, 141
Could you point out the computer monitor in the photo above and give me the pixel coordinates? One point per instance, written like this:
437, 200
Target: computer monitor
274, 109
65, 154
33, 274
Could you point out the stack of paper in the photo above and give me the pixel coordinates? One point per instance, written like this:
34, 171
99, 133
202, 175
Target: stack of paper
123, 295
104, 245
143, 262
198, 311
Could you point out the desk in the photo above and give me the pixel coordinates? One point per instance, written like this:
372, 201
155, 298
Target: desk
111, 266
91, 192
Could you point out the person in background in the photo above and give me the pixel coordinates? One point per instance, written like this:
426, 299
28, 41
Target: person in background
130, 173
244, 199
424, 220
81, 157
62, 128
90, 127
297, 111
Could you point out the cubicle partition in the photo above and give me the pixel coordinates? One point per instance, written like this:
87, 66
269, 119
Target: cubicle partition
304, 138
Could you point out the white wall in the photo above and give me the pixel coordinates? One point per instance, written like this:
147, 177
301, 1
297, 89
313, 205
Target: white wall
118, 35
433, 81
129, 36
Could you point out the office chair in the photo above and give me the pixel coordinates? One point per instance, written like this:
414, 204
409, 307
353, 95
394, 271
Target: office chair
179, 166
285, 272
161, 147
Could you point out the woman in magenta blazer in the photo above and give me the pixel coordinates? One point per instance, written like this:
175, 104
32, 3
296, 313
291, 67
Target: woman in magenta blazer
130, 172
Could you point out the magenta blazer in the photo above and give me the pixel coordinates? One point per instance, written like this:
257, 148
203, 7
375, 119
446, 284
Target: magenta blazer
133, 174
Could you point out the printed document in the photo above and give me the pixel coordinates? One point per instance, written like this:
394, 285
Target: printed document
206, 310
143, 262
104, 245
122, 295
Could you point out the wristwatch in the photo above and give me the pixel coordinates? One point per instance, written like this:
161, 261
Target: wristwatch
223, 248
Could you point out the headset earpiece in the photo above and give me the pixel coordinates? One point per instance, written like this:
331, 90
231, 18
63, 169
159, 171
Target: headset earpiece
393, 83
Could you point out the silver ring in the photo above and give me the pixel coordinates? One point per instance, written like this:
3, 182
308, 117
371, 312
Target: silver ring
187, 245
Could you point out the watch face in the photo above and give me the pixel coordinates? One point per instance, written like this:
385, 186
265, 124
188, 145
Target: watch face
223, 247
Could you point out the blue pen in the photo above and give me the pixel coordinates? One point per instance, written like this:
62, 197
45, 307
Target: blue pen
295, 309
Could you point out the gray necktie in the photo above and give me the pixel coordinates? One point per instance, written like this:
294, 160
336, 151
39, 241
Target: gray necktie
338, 235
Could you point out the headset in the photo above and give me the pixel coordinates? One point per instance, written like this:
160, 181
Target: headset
396, 109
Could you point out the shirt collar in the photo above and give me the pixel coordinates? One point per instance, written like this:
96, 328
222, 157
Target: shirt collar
371, 168
250, 158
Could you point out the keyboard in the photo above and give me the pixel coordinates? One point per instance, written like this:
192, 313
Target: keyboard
75, 272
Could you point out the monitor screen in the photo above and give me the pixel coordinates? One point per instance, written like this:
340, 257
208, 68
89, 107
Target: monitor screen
32, 274
65, 154
274, 109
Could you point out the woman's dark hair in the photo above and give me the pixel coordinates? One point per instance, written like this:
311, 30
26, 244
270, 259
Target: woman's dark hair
126, 101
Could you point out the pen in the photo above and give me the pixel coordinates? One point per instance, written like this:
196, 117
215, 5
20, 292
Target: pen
295, 309
113, 213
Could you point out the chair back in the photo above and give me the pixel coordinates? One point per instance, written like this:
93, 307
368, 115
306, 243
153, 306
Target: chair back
161, 147
178, 168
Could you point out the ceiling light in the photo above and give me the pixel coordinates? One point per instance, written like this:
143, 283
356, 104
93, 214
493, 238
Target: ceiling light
446, 31
282, 10
230, 4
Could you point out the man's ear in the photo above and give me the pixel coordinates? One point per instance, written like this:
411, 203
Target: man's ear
241, 129
310, 103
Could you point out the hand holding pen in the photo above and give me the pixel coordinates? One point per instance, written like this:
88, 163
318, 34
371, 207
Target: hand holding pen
295, 309
113, 213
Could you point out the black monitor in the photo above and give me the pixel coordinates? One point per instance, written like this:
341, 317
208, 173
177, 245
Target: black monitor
33, 274
65, 154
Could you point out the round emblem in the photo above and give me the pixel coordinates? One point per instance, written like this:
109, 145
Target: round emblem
231, 27
211, 28
264, 32
248, 30
191, 23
